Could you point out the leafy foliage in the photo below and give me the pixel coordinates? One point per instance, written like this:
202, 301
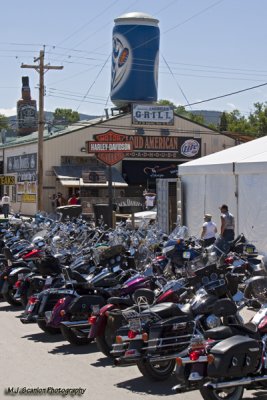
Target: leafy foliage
180, 110
66, 115
3, 121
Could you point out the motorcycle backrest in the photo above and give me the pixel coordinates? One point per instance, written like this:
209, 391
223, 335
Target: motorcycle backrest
144, 296
224, 308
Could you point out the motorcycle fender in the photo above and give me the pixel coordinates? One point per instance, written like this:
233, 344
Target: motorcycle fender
98, 328
13, 276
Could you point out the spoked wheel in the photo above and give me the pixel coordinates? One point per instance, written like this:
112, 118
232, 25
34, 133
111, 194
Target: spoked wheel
234, 393
156, 371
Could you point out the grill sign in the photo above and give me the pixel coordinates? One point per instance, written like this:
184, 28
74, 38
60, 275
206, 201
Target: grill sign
110, 147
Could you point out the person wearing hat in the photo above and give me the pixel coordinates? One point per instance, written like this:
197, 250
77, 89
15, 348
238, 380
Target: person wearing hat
209, 230
227, 224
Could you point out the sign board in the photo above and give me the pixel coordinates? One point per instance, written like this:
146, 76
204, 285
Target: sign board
28, 198
165, 147
94, 176
7, 180
152, 115
109, 147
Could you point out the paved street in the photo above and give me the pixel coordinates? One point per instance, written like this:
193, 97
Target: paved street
33, 359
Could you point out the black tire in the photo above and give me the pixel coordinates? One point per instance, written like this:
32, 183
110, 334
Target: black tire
25, 296
157, 371
73, 338
46, 328
9, 297
235, 393
107, 339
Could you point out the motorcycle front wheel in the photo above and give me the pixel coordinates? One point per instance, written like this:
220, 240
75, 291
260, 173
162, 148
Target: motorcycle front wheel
235, 393
156, 371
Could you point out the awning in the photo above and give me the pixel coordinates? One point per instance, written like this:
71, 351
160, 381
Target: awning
88, 176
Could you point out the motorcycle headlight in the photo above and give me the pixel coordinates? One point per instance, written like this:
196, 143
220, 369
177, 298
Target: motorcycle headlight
213, 321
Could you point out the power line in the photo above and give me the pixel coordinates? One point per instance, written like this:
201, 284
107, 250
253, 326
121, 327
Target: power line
226, 95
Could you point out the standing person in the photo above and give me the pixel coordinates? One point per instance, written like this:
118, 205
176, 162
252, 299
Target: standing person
73, 199
209, 230
227, 224
60, 200
5, 204
149, 199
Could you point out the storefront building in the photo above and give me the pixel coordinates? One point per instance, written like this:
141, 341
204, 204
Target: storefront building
157, 148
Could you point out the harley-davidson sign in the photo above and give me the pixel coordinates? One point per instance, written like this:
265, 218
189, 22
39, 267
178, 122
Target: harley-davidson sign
110, 147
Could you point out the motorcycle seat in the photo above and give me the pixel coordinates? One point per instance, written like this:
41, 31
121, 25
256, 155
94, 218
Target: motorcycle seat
218, 333
166, 310
224, 332
120, 300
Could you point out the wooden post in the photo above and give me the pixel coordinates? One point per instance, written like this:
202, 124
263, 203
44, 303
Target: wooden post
41, 69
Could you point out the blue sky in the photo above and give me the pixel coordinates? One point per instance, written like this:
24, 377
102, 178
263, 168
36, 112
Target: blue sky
211, 47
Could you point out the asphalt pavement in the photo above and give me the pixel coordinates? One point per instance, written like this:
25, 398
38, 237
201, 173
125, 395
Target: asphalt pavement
31, 359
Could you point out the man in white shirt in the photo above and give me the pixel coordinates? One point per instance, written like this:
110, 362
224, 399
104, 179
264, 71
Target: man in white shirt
209, 230
149, 199
5, 205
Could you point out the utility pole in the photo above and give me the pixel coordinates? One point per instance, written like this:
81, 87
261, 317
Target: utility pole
41, 69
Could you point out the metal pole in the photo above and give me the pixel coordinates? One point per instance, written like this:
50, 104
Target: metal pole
40, 133
110, 205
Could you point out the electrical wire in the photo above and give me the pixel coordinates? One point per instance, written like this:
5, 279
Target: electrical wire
226, 95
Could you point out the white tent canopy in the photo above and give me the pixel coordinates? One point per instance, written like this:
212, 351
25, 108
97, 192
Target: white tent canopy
237, 177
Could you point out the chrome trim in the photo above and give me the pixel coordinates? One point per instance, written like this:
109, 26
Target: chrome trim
238, 382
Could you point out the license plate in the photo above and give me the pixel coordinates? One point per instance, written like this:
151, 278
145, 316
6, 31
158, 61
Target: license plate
48, 280
30, 308
20, 276
135, 324
48, 316
96, 309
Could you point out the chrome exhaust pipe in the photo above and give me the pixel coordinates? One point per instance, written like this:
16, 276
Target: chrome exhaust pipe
76, 324
237, 382
120, 362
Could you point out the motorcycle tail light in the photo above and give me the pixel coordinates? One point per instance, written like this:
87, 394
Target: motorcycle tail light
263, 324
179, 361
18, 284
32, 300
210, 358
119, 340
92, 319
5, 277
194, 355
132, 334
229, 260
145, 337
61, 301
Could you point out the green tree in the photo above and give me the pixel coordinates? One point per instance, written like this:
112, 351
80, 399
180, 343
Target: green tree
180, 110
66, 114
223, 123
3, 121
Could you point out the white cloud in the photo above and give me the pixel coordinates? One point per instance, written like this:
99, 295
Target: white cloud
231, 105
8, 112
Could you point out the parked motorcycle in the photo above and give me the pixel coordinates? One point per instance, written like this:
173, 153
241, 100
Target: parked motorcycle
226, 360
